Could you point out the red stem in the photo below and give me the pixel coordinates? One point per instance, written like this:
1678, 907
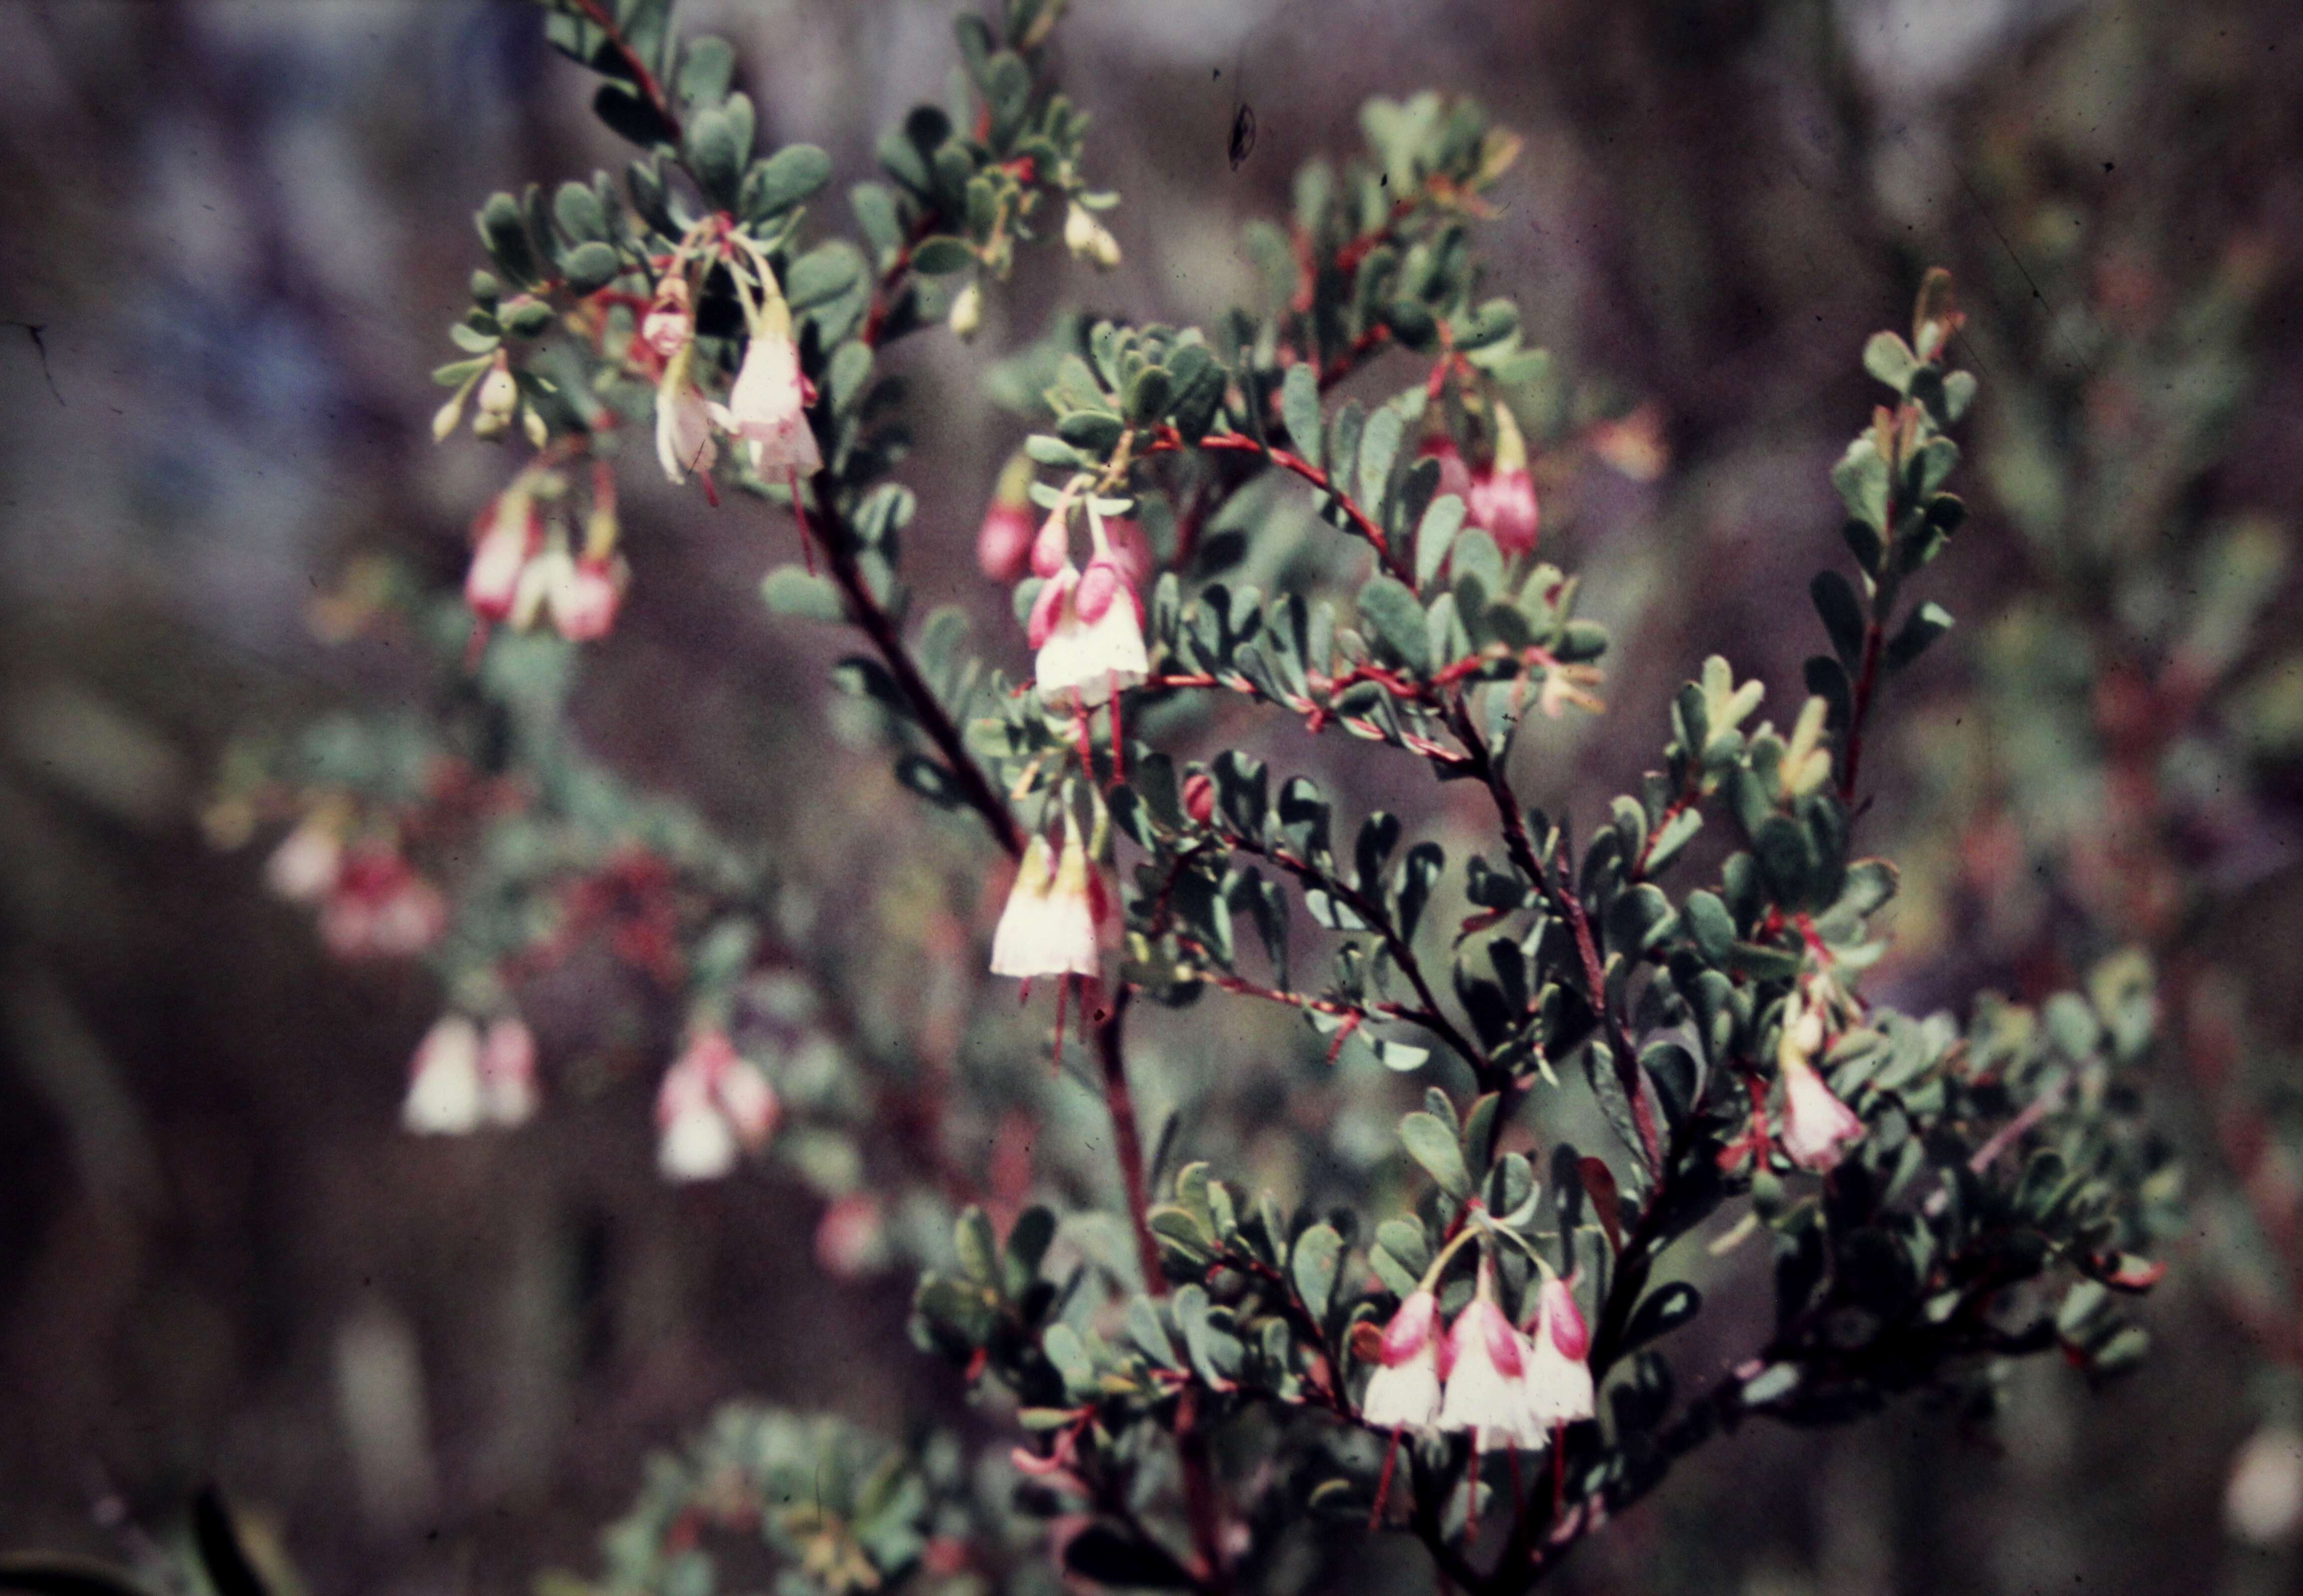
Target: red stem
1202, 1503
644, 80
1865, 681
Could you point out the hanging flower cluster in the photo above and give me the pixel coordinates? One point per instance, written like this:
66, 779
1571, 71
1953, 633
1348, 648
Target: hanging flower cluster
1086, 626
713, 1107
523, 568
464, 1079
372, 903
1061, 914
767, 410
1507, 1386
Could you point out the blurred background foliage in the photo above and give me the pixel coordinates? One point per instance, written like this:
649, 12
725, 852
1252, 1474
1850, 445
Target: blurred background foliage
232, 233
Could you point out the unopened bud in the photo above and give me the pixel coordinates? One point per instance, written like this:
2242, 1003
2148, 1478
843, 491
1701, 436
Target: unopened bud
967, 311
1200, 796
449, 416
1079, 231
538, 434
498, 393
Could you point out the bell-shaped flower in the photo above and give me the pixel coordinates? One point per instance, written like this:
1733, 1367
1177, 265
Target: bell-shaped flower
309, 861
537, 580
504, 537
1403, 1391
713, 1104
585, 594
767, 408
1817, 1126
1558, 1374
1486, 1363
1058, 912
683, 419
507, 1066
1088, 629
446, 1097
1003, 543
1502, 498
1088, 239
381, 908
851, 1239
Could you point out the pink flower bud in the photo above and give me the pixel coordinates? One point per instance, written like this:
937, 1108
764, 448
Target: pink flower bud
585, 596
505, 534
1200, 796
1003, 543
1051, 550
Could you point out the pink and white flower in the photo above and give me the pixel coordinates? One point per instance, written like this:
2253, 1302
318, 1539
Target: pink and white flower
1090, 643
585, 594
1502, 498
444, 1095
1404, 1393
504, 537
1003, 543
507, 1072
1558, 1376
380, 908
768, 406
684, 441
308, 863
713, 1104
1817, 1126
1058, 912
1485, 1362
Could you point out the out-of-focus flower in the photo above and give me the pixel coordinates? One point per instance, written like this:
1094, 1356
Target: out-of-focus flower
381, 909
444, 1095
768, 406
713, 1104
851, 1239
507, 1065
1634, 445
2264, 1502
1403, 1391
585, 594
305, 867
505, 535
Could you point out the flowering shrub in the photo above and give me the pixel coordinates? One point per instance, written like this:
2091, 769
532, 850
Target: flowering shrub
1215, 1387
